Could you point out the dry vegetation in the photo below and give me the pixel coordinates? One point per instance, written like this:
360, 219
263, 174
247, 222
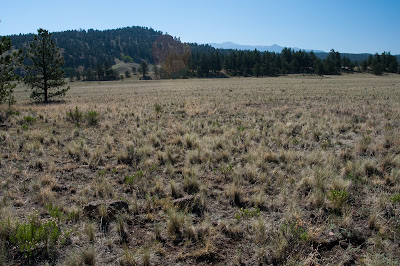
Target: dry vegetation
274, 171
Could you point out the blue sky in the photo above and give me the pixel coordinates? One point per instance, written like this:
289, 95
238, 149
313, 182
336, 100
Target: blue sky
354, 26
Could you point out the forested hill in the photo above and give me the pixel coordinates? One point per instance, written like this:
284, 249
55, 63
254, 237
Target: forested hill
91, 53
91, 47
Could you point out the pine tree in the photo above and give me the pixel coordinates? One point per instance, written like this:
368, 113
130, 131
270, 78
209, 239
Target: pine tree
78, 75
8, 63
377, 65
45, 75
143, 69
156, 72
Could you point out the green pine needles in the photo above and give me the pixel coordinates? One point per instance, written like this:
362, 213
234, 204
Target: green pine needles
8, 62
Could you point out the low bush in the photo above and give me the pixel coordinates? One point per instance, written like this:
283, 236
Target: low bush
75, 116
36, 233
92, 118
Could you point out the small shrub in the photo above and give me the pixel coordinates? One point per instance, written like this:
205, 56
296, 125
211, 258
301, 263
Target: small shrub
101, 172
295, 231
36, 233
129, 180
354, 178
92, 118
157, 108
54, 211
395, 198
325, 144
244, 213
75, 116
338, 198
241, 128
24, 127
29, 119
291, 234
227, 169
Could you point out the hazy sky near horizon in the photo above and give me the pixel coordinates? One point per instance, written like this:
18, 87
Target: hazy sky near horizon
353, 26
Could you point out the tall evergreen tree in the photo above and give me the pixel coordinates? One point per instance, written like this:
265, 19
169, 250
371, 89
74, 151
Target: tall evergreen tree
377, 65
333, 63
364, 65
100, 72
156, 72
44, 74
8, 62
143, 69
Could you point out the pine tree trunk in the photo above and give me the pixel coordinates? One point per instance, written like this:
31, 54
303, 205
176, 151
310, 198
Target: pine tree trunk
45, 95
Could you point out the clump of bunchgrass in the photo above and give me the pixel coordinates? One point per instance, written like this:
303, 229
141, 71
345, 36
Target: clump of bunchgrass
175, 223
191, 185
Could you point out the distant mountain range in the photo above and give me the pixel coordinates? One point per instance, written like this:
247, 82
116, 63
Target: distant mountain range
273, 48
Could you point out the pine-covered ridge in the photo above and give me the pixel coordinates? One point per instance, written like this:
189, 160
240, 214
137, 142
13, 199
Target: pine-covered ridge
91, 51
88, 48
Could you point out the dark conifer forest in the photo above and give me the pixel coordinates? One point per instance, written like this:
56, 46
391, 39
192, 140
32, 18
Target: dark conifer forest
90, 55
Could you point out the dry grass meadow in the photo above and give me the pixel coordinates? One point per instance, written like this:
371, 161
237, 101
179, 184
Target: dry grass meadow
289, 170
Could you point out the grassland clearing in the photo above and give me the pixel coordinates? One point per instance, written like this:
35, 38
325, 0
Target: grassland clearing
271, 170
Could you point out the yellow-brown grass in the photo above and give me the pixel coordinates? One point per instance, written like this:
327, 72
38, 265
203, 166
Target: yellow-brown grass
271, 170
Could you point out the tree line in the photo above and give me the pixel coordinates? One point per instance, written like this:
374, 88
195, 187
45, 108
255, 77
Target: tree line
231, 63
89, 54
256, 63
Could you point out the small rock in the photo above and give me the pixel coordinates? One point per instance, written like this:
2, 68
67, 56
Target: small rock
184, 202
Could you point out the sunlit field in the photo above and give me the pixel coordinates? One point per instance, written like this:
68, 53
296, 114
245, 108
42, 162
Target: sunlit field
286, 170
